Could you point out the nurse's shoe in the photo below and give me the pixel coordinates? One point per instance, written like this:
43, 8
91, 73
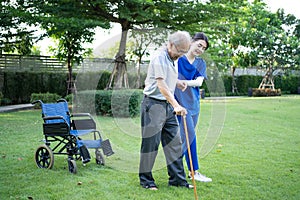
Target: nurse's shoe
200, 177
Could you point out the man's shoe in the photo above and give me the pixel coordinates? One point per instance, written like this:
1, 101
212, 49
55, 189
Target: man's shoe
200, 177
150, 186
186, 185
189, 186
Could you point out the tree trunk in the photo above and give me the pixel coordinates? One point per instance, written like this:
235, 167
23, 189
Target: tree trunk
138, 84
233, 84
119, 73
70, 87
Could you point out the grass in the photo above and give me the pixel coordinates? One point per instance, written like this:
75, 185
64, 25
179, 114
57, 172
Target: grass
256, 156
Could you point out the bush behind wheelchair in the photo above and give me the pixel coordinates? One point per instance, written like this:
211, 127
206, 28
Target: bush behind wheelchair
69, 134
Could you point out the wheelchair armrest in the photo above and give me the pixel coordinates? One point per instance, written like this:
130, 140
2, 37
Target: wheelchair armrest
82, 115
83, 121
86, 116
55, 118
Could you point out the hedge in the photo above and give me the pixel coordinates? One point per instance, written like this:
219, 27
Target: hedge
44, 97
116, 103
17, 87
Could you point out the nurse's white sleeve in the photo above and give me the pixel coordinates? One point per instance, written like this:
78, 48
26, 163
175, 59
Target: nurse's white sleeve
195, 83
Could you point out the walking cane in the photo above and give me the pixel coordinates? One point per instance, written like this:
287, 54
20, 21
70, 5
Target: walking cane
190, 157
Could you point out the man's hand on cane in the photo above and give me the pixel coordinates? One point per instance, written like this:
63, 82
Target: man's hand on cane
179, 110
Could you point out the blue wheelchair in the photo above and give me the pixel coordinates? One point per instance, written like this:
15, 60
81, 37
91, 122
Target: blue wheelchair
71, 135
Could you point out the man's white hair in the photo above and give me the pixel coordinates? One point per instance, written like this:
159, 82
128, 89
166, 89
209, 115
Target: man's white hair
179, 37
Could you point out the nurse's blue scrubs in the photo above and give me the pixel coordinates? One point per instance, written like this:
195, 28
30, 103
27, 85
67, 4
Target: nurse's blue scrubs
190, 99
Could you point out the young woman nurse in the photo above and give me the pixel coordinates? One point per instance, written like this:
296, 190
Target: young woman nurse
192, 68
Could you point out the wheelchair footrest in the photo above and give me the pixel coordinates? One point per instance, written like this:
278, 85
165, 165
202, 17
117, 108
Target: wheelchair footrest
106, 147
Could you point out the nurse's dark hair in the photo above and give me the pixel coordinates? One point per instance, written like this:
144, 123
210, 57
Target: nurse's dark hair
200, 36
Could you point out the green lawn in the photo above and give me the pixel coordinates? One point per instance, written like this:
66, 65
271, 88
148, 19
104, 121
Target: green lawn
256, 156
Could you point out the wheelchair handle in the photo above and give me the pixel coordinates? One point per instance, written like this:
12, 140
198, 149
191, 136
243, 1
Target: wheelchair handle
37, 101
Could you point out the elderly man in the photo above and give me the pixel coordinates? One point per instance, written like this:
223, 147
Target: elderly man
158, 113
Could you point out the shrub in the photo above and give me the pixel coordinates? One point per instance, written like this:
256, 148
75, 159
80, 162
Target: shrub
69, 98
256, 92
19, 86
6, 101
116, 103
44, 97
125, 103
288, 84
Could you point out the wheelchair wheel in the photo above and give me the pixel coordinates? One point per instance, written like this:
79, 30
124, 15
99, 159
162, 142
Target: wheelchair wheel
72, 166
99, 158
44, 157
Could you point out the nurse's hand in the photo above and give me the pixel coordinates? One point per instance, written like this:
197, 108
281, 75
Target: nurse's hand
181, 84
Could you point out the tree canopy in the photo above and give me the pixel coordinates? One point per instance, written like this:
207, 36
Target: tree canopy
241, 33
132, 13
14, 35
64, 21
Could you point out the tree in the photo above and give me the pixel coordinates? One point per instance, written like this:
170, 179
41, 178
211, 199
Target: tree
14, 34
261, 39
220, 21
131, 13
66, 22
70, 38
142, 39
245, 34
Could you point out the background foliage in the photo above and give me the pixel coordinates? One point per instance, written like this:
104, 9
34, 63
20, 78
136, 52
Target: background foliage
241, 33
45, 83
